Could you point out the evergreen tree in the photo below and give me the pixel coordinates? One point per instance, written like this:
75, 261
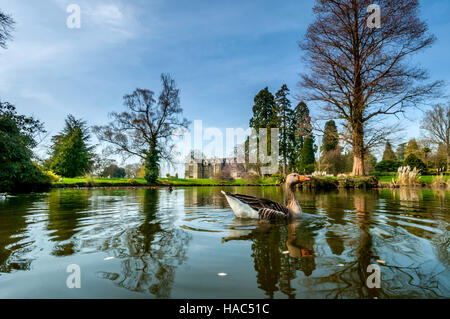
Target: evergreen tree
300, 128
284, 118
426, 152
331, 160
307, 158
330, 138
412, 148
265, 115
265, 112
401, 152
71, 154
388, 154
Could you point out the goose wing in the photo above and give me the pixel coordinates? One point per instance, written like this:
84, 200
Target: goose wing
258, 204
270, 214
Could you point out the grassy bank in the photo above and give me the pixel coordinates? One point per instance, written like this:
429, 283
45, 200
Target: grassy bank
322, 182
327, 182
113, 182
331, 182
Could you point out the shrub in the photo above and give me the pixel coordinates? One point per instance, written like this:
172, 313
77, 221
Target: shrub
414, 162
387, 166
133, 182
357, 182
18, 173
320, 182
52, 177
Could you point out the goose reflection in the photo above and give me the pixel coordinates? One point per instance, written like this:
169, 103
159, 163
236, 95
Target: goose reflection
279, 250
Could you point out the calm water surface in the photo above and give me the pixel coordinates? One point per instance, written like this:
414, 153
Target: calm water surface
149, 243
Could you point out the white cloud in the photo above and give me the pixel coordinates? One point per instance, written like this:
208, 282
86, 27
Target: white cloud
41, 97
107, 14
114, 20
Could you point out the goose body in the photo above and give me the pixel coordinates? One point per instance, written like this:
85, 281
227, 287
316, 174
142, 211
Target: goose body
245, 206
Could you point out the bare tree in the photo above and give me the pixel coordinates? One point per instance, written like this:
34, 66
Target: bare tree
437, 124
6, 26
361, 74
146, 129
132, 170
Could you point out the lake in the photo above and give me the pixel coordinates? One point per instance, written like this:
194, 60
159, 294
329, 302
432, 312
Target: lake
150, 243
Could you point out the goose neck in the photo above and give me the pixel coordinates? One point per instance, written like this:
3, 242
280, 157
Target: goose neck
293, 205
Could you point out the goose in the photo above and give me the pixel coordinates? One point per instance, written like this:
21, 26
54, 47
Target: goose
245, 206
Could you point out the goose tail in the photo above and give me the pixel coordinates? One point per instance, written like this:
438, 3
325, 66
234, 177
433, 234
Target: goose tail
240, 208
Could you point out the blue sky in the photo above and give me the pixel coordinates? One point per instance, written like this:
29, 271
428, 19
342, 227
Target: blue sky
221, 53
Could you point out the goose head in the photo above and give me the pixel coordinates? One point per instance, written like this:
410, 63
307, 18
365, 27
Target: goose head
294, 179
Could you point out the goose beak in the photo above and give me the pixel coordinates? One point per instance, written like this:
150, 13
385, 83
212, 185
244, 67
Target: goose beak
303, 179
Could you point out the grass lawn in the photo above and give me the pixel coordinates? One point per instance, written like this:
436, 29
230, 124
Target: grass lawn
161, 181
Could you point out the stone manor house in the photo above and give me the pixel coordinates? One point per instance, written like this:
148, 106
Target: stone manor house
207, 168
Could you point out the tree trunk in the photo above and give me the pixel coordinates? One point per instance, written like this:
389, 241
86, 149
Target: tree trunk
358, 165
448, 160
358, 150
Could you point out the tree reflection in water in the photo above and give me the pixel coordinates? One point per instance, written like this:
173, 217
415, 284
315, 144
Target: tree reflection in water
65, 210
379, 237
325, 254
15, 241
150, 251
